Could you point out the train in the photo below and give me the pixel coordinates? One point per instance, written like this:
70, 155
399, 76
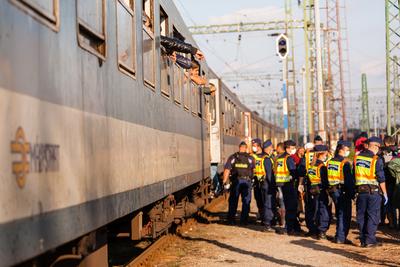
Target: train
103, 136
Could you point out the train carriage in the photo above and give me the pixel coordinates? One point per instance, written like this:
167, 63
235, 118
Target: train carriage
99, 126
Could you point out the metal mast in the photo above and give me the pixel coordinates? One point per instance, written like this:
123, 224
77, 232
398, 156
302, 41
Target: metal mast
335, 78
364, 104
308, 44
392, 54
320, 86
291, 74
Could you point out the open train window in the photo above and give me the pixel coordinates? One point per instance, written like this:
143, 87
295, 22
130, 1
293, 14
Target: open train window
179, 74
199, 97
186, 91
44, 11
213, 106
179, 83
165, 62
91, 26
126, 45
148, 43
193, 97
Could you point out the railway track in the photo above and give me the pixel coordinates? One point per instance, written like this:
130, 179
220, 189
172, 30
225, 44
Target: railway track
158, 246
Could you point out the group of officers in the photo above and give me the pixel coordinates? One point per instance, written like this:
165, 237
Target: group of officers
319, 180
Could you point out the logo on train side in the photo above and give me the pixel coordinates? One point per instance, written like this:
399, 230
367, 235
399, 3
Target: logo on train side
21, 167
32, 158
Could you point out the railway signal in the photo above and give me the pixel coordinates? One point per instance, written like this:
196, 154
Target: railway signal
282, 44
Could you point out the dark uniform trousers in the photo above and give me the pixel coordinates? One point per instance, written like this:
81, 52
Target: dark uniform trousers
311, 209
368, 216
240, 187
318, 212
290, 200
343, 204
265, 195
324, 212
258, 196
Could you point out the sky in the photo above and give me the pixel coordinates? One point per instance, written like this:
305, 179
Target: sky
256, 51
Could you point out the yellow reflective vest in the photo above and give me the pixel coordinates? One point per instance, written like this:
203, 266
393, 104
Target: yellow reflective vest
259, 170
309, 156
282, 173
314, 174
335, 171
364, 169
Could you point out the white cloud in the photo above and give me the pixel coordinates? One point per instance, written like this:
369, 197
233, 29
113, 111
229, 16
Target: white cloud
250, 15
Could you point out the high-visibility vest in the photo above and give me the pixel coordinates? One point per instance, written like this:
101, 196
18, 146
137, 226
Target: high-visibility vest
314, 174
259, 170
309, 158
282, 173
335, 171
364, 169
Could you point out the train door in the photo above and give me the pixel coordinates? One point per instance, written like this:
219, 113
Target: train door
215, 124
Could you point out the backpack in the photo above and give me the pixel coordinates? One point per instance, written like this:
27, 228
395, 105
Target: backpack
393, 168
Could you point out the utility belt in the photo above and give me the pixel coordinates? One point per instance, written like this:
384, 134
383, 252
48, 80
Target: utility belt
335, 188
314, 189
259, 179
247, 178
366, 188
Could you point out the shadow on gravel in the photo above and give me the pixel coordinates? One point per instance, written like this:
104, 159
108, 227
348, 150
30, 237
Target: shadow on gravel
346, 253
245, 252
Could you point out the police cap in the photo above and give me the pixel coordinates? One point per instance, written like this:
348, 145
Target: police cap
267, 144
344, 143
243, 143
257, 141
289, 143
321, 148
375, 139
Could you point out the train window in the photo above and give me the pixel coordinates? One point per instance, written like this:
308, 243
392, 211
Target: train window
199, 101
246, 125
165, 62
126, 36
148, 43
213, 106
179, 82
213, 109
205, 107
45, 11
193, 97
91, 26
186, 91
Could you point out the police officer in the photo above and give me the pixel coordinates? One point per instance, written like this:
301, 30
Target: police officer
305, 164
239, 168
268, 190
369, 178
317, 201
285, 175
341, 189
259, 174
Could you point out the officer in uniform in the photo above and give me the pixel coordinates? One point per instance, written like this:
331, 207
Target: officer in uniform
305, 164
285, 174
268, 188
259, 174
317, 213
341, 189
239, 169
369, 178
